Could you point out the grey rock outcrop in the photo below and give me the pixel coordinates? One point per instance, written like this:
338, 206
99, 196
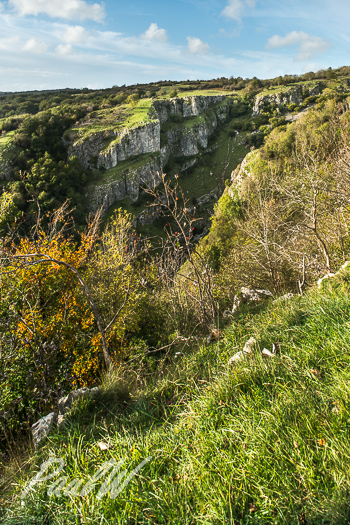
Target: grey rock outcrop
254, 295
184, 139
129, 142
186, 106
282, 98
66, 403
188, 142
41, 428
127, 184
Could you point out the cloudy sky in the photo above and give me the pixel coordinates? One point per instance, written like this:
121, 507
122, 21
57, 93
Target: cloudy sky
47, 44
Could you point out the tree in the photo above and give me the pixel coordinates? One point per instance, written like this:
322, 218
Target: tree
181, 266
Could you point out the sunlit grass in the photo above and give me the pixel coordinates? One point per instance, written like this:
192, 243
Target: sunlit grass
262, 442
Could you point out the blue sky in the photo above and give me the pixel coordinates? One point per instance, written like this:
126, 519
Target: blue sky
47, 44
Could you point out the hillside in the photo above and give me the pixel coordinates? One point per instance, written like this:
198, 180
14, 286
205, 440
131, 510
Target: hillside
104, 147
224, 216
264, 441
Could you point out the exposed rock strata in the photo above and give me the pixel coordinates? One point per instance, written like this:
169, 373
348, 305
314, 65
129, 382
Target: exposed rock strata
182, 140
185, 107
126, 185
129, 142
282, 98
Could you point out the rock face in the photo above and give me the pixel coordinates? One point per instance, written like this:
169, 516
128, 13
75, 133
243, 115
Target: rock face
127, 184
41, 428
133, 142
123, 144
185, 107
107, 150
66, 403
242, 172
283, 98
187, 142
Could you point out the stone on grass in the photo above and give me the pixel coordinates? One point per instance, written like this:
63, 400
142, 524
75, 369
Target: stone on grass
249, 345
267, 354
284, 297
254, 295
329, 275
41, 428
66, 403
236, 357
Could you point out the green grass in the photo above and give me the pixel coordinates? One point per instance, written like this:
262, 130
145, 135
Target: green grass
113, 174
264, 442
205, 93
214, 167
114, 119
6, 139
166, 90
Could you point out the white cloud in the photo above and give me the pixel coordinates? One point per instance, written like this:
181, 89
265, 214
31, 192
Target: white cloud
235, 8
155, 33
35, 47
64, 49
9, 44
75, 35
308, 45
70, 9
196, 46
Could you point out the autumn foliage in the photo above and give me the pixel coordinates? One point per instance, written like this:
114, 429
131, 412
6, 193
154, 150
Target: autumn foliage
51, 328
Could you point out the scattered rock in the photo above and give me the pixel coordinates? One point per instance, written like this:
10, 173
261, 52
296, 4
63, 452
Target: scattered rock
266, 353
103, 446
60, 421
247, 294
329, 275
249, 345
275, 351
66, 403
254, 295
214, 335
284, 297
236, 303
41, 428
236, 357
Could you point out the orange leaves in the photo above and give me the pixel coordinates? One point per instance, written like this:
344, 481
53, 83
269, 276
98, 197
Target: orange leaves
48, 305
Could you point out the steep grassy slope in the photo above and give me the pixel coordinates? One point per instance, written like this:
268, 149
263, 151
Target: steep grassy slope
262, 442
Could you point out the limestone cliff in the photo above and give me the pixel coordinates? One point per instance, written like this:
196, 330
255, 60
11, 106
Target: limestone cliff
185, 107
281, 98
130, 143
126, 184
105, 150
